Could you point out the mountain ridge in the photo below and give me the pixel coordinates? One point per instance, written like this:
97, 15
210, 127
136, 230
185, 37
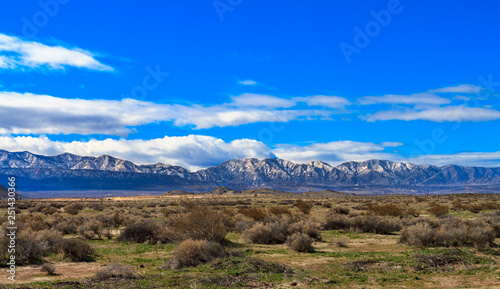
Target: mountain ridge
67, 170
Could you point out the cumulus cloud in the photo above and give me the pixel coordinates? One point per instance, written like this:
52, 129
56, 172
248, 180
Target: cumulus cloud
439, 114
192, 152
16, 53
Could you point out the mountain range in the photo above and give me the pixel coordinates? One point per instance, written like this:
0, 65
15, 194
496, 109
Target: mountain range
72, 172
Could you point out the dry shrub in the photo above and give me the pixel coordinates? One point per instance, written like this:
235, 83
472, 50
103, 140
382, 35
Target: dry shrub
336, 222
73, 209
433, 222
326, 205
191, 253
68, 225
385, 210
457, 205
376, 224
476, 208
116, 271
91, 228
279, 210
451, 232
95, 206
308, 227
143, 231
199, 223
256, 213
48, 268
36, 208
77, 249
36, 223
439, 210
412, 212
341, 210
28, 250
300, 242
31, 246
105, 220
270, 233
166, 211
48, 239
304, 207
50, 210
493, 219
242, 225
421, 234
367, 224
120, 219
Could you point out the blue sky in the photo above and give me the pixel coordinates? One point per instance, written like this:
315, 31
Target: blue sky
195, 83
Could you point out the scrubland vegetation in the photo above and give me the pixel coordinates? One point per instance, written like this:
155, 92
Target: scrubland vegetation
205, 241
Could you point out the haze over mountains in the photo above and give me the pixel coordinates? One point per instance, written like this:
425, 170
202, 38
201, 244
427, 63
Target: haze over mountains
73, 172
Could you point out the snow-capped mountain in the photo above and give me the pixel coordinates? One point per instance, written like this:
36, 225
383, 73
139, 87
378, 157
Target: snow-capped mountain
68, 171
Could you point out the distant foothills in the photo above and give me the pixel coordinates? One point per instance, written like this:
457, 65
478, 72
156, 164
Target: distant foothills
69, 172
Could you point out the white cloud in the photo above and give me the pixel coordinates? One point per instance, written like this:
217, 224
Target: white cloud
261, 100
325, 101
17, 53
198, 151
484, 159
247, 82
461, 97
462, 88
26, 113
417, 98
192, 151
336, 152
222, 116
439, 114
